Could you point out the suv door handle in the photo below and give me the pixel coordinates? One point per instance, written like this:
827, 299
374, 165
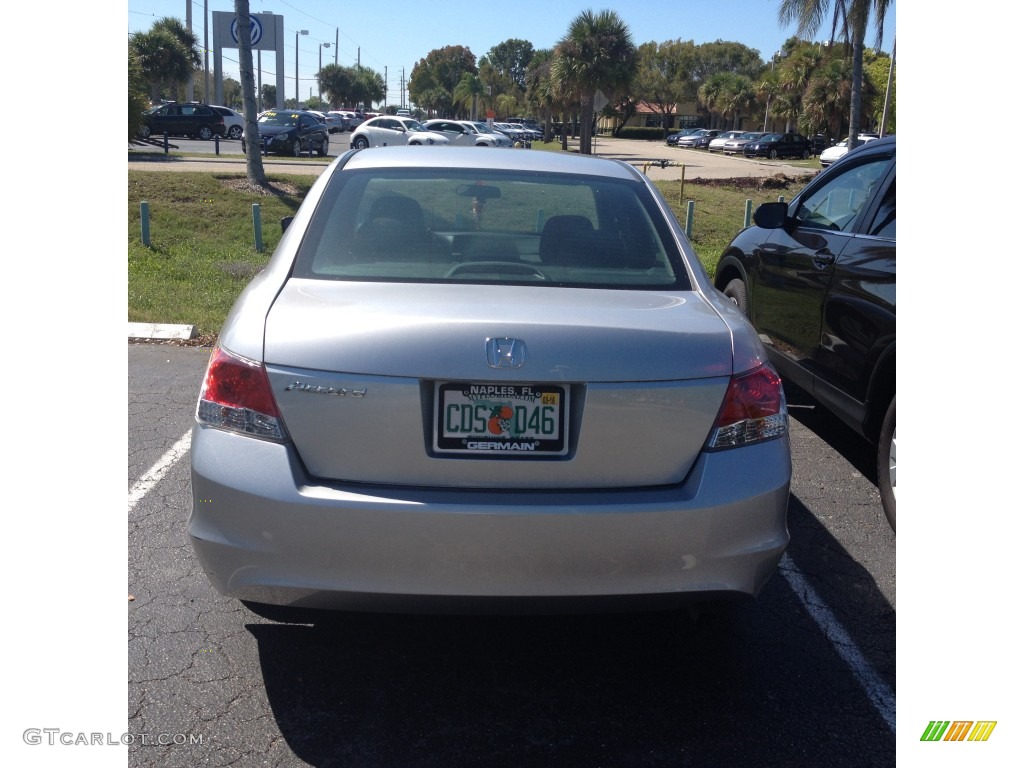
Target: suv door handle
824, 259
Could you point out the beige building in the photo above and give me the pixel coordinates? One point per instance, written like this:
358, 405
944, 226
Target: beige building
690, 116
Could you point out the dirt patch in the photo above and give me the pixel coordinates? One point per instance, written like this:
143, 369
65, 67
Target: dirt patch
201, 340
778, 181
273, 188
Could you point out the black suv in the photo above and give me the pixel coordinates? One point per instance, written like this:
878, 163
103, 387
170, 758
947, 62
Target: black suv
817, 279
196, 120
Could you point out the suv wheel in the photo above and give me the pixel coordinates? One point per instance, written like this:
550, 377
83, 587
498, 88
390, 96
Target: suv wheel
144, 132
205, 133
235, 132
887, 464
736, 290
324, 147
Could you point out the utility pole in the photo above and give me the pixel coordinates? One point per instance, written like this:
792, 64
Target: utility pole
206, 50
888, 91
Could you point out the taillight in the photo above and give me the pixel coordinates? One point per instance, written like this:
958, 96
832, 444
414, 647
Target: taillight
236, 396
754, 410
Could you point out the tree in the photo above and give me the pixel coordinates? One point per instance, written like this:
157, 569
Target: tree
136, 94
468, 92
596, 54
850, 20
368, 86
540, 95
164, 59
338, 84
827, 98
253, 159
434, 78
268, 98
512, 60
876, 72
665, 77
723, 56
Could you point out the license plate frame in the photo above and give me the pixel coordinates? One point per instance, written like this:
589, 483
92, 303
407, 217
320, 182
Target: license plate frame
501, 420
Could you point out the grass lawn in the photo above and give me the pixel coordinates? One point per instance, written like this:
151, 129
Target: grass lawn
202, 250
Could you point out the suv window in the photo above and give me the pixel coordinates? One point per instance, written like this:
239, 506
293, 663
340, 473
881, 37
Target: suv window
884, 224
835, 205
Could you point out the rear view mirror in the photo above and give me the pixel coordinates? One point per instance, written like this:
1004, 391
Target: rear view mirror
771, 215
479, 191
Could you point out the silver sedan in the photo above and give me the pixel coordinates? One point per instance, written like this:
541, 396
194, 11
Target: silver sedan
487, 381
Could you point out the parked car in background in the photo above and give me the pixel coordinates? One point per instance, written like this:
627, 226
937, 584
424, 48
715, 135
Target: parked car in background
833, 153
698, 139
385, 130
350, 119
570, 416
332, 120
672, 139
775, 145
291, 132
466, 133
817, 143
234, 122
817, 278
735, 145
717, 144
343, 118
199, 121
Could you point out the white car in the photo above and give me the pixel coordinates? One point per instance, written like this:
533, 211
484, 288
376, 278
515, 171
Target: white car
388, 131
830, 155
467, 133
718, 143
234, 122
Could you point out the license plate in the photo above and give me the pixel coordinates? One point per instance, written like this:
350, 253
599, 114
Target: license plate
501, 419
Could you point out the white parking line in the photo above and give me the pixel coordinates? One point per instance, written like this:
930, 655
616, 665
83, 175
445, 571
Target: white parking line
877, 691
155, 473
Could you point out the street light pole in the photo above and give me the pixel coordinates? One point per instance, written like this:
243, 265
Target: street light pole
319, 89
764, 128
299, 32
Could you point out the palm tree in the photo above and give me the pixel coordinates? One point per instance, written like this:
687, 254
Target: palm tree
164, 61
710, 93
253, 159
596, 54
850, 20
468, 92
828, 96
738, 98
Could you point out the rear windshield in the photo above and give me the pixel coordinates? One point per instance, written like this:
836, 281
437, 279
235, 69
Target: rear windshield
460, 225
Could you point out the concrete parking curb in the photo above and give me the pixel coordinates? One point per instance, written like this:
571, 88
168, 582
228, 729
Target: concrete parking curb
160, 331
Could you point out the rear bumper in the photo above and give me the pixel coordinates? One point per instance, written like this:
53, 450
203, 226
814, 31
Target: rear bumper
264, 531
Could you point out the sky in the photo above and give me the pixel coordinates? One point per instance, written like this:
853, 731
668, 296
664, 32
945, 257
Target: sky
410, 31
